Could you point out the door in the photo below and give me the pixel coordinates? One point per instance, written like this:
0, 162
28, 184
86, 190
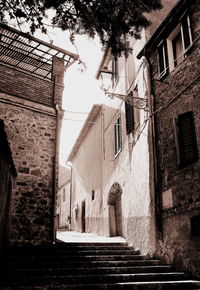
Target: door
83, 216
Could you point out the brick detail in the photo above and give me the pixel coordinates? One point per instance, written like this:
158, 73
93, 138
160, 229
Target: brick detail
17, 83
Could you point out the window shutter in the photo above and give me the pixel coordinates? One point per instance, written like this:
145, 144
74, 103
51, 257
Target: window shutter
186, 32
129, 118
187, 139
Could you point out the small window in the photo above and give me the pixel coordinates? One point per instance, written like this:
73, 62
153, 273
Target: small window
129, 118
162, 59
117, 134
185, 137
64, 195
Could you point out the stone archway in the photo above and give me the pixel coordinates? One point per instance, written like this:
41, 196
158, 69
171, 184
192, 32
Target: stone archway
115, 210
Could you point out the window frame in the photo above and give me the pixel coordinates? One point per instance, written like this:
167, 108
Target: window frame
117, 136
163, 49
166, 45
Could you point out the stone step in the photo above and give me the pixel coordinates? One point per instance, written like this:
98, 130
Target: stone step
72, 264
91, 279
21, 249
158, 285
92, 271
89, 257
69, 253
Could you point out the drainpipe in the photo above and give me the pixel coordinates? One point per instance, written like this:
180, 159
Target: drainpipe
59, 117
153, 155
58, 82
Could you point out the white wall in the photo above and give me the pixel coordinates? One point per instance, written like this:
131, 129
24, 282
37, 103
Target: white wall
87, 177
131, 167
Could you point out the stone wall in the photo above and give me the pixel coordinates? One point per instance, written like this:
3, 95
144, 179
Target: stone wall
31, 134
179, 188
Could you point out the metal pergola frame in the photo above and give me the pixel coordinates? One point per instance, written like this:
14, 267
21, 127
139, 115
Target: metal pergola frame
30, 54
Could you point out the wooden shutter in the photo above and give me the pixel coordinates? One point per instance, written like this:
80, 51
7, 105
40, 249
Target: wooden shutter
129, 118
186, 139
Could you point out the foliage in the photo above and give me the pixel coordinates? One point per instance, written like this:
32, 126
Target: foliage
112, 20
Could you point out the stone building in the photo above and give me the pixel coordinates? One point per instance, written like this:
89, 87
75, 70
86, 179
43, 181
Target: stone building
31, 86
173, 52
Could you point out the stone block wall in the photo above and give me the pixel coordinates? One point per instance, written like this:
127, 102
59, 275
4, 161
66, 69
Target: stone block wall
176, 94
30, 109
31, 134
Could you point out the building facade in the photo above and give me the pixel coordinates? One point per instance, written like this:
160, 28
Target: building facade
31, 86
63, 209
125, 171
173, 52
86, 160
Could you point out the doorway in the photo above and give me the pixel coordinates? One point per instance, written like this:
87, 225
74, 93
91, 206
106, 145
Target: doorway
115, 210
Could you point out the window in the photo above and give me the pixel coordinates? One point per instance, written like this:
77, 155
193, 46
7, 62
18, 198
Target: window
117, 133
185, 136
162, 59
129, 118
63, 194
177, 46
173, 50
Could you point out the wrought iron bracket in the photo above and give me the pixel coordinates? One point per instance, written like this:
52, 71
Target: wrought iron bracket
139, 103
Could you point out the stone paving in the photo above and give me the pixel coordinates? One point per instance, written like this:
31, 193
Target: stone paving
73, 237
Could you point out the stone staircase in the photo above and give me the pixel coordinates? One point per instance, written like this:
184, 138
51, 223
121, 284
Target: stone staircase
88, 266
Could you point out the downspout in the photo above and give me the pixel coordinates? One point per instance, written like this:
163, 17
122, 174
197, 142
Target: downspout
58, 87
153, 155
59, 117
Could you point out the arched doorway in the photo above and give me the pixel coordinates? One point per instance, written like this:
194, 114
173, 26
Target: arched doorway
115, 210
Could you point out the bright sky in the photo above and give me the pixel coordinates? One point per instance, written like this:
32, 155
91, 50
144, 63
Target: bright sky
82, 90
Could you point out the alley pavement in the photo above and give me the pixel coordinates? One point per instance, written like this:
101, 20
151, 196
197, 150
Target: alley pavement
73, 237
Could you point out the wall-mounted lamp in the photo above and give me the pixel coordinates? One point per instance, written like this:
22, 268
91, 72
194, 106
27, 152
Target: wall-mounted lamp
106, 79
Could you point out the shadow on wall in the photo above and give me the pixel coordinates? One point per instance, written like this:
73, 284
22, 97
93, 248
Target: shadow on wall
7, 177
